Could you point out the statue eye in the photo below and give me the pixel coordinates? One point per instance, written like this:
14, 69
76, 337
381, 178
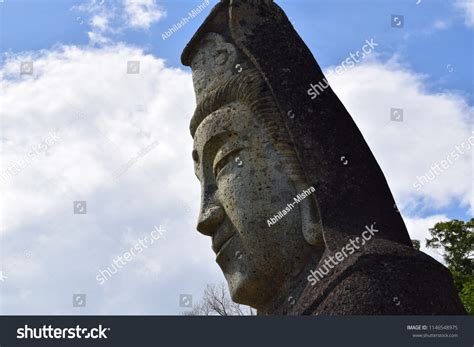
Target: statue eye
224, 160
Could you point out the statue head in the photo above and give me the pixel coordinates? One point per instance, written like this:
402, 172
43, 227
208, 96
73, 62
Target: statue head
257, 152
248, 171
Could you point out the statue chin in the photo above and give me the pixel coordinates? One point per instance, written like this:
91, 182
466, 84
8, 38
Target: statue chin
242, 276
238, 289
246, 290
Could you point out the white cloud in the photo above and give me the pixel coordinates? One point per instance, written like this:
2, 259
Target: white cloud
434, 123
104, 117
96, 38
100, 22
109, 18
440, 25
435, 27
142, 13
418, 228
467, 7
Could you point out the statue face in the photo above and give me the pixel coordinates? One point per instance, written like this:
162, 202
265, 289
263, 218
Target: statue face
244, 183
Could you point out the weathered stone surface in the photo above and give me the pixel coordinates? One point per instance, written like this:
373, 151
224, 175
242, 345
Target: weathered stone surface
289, 184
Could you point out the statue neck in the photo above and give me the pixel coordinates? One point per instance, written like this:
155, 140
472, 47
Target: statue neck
290, 292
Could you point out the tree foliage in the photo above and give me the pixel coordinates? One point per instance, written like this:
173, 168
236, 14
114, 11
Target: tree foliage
456, 239
467, 296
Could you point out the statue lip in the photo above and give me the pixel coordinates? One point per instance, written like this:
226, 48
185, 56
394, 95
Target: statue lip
220, 240
224, 246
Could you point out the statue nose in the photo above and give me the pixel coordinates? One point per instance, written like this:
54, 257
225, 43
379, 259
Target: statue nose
210, 217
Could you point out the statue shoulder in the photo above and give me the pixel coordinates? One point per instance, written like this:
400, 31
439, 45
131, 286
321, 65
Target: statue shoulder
392, 279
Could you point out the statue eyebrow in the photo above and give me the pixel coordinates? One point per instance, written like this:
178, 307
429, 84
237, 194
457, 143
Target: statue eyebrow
215, 142
211, 148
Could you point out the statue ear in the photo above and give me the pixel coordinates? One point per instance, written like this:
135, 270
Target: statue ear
312, 227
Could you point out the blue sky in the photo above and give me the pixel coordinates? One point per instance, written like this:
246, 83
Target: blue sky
106, 119
434, 34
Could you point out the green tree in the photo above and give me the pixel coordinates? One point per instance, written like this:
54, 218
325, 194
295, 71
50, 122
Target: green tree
456, 239
467, 296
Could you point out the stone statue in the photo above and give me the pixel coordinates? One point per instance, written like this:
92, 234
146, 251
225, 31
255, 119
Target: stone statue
301, 217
